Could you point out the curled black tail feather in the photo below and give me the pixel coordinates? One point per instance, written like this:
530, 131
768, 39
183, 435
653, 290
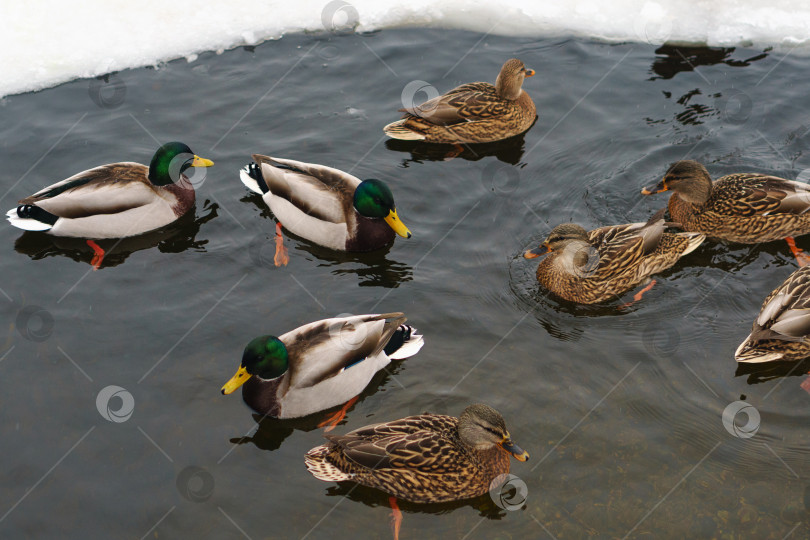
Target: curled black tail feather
255, 172
30, 211
398, 339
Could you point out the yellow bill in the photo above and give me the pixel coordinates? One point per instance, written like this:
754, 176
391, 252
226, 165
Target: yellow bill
236, 381
201, 162
395, 223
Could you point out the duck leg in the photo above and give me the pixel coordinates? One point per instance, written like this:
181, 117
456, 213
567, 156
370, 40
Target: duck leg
638, 295
456, 151
334, 419
805, 385
396, 517
280, 258
98, 255
801, 257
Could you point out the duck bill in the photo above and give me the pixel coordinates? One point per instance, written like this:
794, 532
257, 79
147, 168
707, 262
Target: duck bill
517, 452
236, 381
529, 73
661, 187
395, 223
201, 162
537, 252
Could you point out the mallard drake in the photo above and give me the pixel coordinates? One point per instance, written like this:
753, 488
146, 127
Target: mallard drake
782, 328
321, 364
472, 113
428, 458
747, 208
114, 201
324, 205
593, 266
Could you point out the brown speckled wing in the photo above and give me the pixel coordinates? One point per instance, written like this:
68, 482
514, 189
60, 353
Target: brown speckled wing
466, 103
785, 313
757, 194
421, 443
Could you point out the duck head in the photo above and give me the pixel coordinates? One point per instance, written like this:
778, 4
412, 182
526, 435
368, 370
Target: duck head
170, 162
265, 357
373, 199
482, 427
558, 239
509, 83
689, 179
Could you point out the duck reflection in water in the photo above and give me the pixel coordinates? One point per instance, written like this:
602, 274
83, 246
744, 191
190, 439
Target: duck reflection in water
508, 150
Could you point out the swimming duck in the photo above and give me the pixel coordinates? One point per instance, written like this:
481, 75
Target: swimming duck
324, 205
593, 266
472, 113
427, 458
114, 201
748, 208
321, 364
782, 328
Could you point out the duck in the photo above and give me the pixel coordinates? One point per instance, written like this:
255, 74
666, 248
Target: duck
476, 112
427, 458
324, 205
589, 267
117, 200
746, 208
781, 331
320, 365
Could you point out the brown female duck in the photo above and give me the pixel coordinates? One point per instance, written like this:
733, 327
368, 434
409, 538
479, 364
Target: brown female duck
428, 458
590, 267
472, 113
782, 328
748, 208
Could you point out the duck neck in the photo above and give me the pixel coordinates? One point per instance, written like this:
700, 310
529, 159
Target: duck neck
264, 396
508, 87
184, 196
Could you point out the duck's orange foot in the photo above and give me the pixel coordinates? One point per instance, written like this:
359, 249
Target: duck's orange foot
806, 384
334, 419
396, 517
801, 257
637, 297
280, 258
98, 255
455, 152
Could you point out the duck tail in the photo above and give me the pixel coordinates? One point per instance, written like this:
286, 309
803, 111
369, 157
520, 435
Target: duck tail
404, 343
693, 241
31, 218
320, 467
748, 353
251, 176
398, 130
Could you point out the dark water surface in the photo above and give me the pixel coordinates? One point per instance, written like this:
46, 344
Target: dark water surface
621, 410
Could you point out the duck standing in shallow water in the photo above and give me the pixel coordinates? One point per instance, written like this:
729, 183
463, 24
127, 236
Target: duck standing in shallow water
472, 113
748, 208
590, 267
114, 201
428, 458
321, 364
326, 206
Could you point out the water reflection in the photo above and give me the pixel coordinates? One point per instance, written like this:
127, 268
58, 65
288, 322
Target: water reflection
373, 498
760, 373
174, 238
673, 59
508, 150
